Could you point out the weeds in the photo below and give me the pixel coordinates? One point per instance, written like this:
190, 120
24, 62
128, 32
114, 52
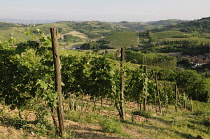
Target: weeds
111, 125
108, 124
206, 122
145, 114
171, 124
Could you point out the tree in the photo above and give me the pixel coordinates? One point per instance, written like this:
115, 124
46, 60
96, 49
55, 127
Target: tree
192, 84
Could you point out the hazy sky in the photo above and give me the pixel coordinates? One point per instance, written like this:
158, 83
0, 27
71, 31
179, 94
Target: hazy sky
105, 10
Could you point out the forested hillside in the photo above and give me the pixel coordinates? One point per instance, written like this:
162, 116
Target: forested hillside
200, 25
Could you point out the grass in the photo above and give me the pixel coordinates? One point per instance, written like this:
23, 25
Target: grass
123, 39
111, 125
171, 124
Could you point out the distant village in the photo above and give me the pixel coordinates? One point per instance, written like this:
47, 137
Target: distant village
197, 61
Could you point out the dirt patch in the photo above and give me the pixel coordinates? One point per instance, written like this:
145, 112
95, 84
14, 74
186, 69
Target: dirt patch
12, 133
133, 132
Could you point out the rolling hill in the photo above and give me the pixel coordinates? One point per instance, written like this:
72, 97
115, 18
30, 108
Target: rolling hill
163, 30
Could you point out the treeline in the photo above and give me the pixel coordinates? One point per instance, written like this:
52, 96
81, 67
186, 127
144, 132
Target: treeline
44, 30
197, 26
201, 25
186, 47
151, 59
71, 38
100, 44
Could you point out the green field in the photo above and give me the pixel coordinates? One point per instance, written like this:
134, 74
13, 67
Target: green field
123, 39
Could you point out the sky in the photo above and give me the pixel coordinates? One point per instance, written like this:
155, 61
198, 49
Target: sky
105, 10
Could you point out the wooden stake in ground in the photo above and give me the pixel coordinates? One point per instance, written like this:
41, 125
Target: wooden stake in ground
145, 91
122, 113
191, 103
58, 88
176, 95
166, 95
158, 94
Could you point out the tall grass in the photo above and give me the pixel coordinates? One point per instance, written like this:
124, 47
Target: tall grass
108, 124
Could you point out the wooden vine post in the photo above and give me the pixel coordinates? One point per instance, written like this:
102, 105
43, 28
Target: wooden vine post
166, 95
207, 96
176, 95
185, 101
145, 91
191, 103
58, 88
122, 113
158, 94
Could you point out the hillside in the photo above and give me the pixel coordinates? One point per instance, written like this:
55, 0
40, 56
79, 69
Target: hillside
7, 26
178, 39
123, 39
168, 22
92, 29
134, 26
156, 99
165, 36
88, 30
200, 25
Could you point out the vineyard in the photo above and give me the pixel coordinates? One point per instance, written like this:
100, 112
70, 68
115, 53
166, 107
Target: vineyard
97, 89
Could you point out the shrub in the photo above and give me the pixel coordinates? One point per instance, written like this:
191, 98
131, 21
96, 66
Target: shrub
206, 122
111, 125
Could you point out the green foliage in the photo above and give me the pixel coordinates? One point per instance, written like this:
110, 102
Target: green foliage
186, 47
192, 84
90, 45
152, 59
110, 125
148, 25
206, 122
39, 37
167, 22
95, 70
201, 108
100, 44
200, 25
136, 85
74, 74
26, 73
100, 79
169, 34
